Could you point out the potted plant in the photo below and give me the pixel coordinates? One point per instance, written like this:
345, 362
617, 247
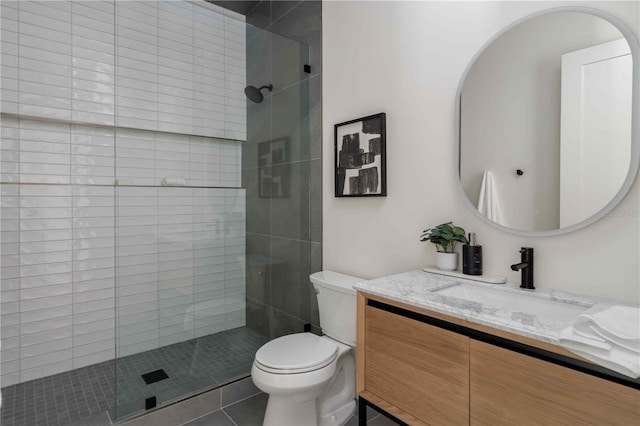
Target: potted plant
445, 237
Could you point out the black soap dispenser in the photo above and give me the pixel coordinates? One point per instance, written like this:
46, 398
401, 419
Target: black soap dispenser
472, 257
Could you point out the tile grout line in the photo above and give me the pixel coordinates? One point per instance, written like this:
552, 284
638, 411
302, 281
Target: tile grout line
229, 417
19, 196
240, 400
73, 212
107, 126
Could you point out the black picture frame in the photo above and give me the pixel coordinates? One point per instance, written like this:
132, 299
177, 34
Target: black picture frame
360, 148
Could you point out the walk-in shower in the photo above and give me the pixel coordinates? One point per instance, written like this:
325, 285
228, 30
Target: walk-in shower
135, 179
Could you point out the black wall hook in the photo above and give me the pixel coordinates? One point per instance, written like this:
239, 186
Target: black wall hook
519, 172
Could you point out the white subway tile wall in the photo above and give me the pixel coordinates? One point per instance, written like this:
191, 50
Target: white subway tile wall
235, 78
93, 71
9, 61
235, 258
44, 59
10, 276
92, 155
175, 264
94, 271
181, 68
9, 149
137, 253
45, 152
173, 66
179, 250
137, 69
96, 253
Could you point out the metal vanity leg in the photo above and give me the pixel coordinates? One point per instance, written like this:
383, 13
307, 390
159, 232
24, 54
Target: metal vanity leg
362, 412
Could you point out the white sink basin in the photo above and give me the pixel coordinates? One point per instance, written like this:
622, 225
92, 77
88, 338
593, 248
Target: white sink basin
544, 309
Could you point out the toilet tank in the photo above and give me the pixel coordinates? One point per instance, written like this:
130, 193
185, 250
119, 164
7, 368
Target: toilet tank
337, 305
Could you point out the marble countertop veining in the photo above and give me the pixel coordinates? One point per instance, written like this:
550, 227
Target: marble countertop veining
419, 288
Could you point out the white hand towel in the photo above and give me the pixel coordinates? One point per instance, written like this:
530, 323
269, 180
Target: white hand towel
574, 341
608, 335
618, 359
488, 203
617, 324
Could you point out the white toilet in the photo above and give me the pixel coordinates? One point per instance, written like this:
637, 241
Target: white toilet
311, 379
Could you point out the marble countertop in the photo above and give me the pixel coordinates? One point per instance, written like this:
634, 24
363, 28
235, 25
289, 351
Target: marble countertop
418, 288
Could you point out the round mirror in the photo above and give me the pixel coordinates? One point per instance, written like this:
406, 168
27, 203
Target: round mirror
548, 122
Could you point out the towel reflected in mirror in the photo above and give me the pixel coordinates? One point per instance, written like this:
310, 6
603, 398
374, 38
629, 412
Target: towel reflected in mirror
488, 203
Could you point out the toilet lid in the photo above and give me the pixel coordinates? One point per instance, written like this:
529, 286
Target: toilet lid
302, 351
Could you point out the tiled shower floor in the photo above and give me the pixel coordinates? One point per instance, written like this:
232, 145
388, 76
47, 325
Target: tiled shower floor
65, 398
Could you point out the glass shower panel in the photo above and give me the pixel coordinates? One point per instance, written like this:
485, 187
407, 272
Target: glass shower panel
181, 288
276, 174
180, 207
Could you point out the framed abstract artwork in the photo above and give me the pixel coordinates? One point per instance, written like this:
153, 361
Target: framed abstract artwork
360, 157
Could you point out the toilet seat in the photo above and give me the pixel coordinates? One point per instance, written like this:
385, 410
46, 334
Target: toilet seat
296, 353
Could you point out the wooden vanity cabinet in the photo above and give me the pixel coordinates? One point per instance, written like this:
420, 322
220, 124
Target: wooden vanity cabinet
425, 368
509, 388
420, 369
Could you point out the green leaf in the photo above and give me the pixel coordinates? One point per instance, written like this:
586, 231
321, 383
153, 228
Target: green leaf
445, 236
458, 231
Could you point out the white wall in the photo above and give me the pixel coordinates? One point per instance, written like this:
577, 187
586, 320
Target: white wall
406, 59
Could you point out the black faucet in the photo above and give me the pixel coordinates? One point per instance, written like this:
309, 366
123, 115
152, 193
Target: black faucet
526, 267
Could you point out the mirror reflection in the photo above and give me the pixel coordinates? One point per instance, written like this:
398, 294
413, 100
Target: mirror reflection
545, 125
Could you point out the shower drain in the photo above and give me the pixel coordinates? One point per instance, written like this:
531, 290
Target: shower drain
154, 376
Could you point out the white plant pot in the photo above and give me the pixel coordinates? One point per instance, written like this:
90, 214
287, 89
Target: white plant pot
447, 261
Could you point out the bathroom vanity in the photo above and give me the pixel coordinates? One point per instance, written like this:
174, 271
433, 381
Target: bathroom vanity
426, 357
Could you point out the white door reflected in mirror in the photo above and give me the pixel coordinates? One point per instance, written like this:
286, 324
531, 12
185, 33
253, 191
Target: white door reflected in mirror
595, 133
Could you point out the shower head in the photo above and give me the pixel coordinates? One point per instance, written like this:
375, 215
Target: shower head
254, 94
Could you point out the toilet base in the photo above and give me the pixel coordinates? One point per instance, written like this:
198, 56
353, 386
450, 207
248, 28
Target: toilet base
338, 417
283, 411
338, 403
286, 412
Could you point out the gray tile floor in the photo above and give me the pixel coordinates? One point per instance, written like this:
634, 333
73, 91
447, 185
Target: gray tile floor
67, 398
191, 366
250, 412
59, 399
